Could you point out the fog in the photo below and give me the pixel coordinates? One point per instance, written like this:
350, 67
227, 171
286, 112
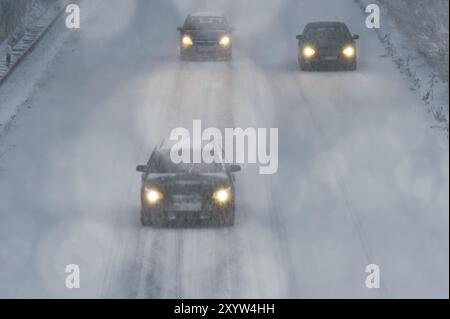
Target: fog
362, 177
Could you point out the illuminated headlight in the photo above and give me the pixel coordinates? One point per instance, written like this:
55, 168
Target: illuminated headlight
309, 52
153, 196
186, 41
225, 41
222, 195
349, 51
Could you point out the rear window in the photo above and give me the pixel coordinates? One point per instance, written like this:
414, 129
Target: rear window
200, 23
327, 32
161, 163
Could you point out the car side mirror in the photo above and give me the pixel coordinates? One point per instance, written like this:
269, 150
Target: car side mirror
235, 168
141, 168
355, 37
180, 29
299, 37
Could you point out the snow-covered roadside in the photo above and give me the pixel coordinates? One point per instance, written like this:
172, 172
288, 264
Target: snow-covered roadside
69, 192
421, 69
42, 15
20, 84
37, 11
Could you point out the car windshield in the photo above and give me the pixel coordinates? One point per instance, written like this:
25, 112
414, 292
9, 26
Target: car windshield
205, 23
327, 32
162, 163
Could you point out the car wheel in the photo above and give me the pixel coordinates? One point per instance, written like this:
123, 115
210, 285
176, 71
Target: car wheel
183, 56
353, 66
145, 219
228, 219
304, 66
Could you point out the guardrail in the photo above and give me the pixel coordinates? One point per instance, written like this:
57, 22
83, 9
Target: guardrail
25, 45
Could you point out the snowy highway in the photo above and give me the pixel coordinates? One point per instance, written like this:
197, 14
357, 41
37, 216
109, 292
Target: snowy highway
362, 179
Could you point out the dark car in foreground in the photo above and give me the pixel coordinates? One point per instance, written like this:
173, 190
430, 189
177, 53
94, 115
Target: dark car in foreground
206, 36
186, 194
327, 45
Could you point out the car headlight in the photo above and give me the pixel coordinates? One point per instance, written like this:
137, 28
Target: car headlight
153, 195
349, 51
186, 41
222, 195
225, 41
308, 52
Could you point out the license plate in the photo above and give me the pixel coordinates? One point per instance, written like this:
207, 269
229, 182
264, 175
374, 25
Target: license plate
330, 58
206, 49
186, 204
187, 207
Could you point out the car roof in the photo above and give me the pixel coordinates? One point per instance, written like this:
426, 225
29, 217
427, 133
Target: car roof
164, 149
325, 23
166, 146
207, 14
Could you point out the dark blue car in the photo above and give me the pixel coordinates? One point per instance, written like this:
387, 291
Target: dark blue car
206, 36
327, 45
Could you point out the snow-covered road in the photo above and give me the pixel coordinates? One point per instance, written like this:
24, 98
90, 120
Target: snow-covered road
362, 177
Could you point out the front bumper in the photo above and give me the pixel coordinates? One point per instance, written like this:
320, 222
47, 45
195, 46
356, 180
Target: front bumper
328, 61
187, 209
202, 52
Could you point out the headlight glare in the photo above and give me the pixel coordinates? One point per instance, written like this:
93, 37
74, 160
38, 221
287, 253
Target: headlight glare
186, 41
153, 195
225, 41
222, 195
349, 51
308, 52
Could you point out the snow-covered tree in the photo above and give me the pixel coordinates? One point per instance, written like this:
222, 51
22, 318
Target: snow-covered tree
11, 12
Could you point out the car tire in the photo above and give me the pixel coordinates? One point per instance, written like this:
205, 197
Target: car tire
184, 57
145, 219
155, 219
353, 66
229, 219
304, 66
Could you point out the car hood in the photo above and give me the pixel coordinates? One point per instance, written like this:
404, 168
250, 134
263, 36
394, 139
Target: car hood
206, 35
327, 43
175, 179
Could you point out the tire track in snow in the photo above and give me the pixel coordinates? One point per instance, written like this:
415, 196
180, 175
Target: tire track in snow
216, 80
255, 91
227, 243
151, 268
352, 213
277, 223
228, 281
150, 285
179, 262
281, 239
117, 273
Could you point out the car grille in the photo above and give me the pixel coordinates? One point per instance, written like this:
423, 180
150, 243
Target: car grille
328, 52
185, 188
205, 43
